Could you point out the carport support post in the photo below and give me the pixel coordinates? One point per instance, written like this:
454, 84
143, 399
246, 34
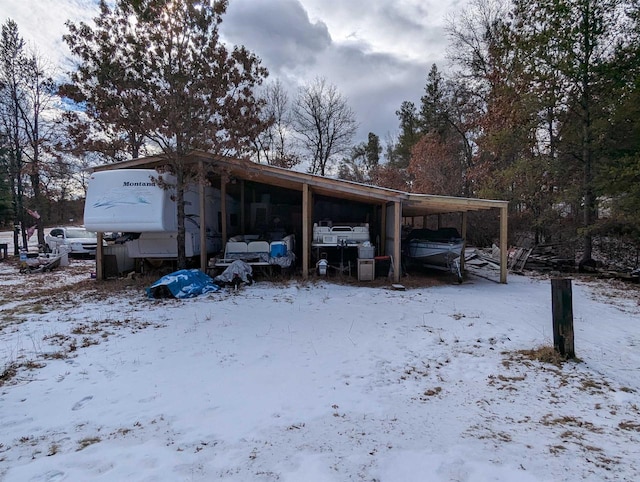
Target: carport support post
463, 231
306, 226
397, 234
223, 209
203, 224
243, 222
504, 217
562, 308
383, 229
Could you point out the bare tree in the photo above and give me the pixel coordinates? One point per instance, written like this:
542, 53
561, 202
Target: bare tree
324, 123
39, 100
275, 144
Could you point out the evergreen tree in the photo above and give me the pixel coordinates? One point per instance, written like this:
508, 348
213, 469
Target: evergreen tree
619, 175
442, 156
434, 115
161, 72
571, 45
5, 192
364, 160
12, 59
409, 134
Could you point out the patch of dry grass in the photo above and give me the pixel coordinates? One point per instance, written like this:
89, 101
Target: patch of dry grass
432, 392
105, 289
629, 425
86, 442
543, 354
569, 421
502, 382
9, 372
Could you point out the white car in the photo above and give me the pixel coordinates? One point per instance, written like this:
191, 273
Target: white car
78, 241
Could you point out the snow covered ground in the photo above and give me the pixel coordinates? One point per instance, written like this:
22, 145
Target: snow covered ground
318, 381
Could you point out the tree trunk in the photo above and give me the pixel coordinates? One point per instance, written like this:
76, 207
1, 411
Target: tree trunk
39, 205
16, 238
16, 213
20, 213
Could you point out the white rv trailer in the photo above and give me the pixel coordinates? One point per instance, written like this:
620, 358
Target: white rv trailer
134, 201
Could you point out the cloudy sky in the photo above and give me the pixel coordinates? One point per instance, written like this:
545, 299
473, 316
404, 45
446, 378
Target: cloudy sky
376, 52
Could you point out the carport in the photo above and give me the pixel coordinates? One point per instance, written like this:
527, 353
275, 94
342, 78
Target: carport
390, 206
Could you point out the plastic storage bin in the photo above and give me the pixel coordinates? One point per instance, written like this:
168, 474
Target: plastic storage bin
366, 269
365, 252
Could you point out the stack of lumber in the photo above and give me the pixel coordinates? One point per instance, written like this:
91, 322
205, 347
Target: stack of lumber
542, 258
551, 257
539, 258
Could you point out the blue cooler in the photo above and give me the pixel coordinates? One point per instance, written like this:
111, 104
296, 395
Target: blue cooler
278, 249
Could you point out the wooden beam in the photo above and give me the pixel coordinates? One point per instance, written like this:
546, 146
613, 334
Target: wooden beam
223, 209
425, 201
504, 217
310, 228
243, 217
463, 233
306, 226
383, 229
397, 238
203, 224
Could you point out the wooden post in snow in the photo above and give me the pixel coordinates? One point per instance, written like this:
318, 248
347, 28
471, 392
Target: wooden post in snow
562, 307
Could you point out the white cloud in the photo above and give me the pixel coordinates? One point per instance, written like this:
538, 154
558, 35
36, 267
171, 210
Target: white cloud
410, 29
377, 52
42, 23
279, 29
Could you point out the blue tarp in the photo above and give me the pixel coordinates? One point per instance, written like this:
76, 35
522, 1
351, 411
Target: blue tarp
185, 283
